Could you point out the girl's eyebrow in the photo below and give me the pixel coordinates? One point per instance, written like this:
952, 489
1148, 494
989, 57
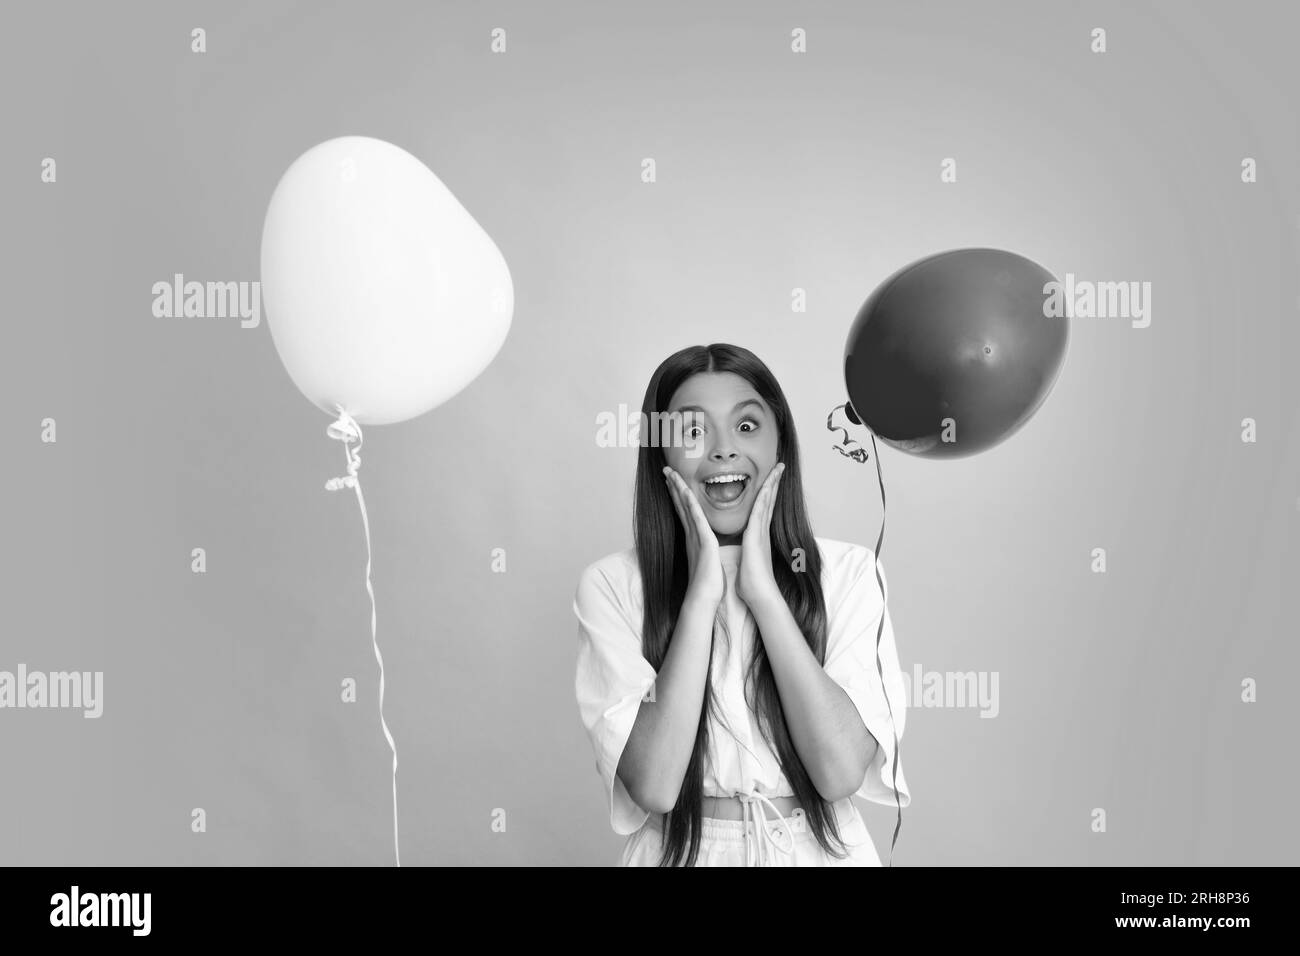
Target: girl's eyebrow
739, 406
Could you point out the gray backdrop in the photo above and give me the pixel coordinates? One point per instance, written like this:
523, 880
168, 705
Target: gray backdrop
776, 170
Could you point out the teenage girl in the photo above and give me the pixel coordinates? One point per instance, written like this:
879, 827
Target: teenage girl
726, 670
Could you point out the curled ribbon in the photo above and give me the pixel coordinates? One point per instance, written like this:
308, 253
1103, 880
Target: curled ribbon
860, 455
857, 454
346, 430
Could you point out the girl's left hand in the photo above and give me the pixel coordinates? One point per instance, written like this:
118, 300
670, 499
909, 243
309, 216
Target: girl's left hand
756, 581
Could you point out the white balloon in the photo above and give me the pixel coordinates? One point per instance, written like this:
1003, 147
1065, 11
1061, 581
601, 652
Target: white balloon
384, 297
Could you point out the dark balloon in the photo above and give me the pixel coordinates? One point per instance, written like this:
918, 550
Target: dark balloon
960, 335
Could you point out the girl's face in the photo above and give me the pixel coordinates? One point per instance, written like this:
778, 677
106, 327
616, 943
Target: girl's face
731, 436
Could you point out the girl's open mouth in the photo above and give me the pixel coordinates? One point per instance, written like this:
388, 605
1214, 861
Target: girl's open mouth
724, 490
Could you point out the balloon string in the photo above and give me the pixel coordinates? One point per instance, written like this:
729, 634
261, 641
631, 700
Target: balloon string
859, 455
348, 431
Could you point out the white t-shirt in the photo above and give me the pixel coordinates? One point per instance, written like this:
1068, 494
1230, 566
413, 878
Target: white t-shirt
613, 677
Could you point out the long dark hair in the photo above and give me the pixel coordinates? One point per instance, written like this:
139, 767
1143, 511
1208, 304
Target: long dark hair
661, 553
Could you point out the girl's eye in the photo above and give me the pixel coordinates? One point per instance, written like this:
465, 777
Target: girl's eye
753, 425
694, 431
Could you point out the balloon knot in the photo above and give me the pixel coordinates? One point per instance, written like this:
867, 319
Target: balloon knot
346, 430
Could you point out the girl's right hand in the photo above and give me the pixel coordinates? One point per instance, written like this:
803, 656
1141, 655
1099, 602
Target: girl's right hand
707, 579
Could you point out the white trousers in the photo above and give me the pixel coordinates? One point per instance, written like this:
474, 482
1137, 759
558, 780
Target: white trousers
761, 840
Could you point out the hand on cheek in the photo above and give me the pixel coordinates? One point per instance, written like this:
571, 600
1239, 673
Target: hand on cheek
706, 577
756, 581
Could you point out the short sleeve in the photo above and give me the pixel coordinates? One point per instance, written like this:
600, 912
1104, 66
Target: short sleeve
612, 678
851, 663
